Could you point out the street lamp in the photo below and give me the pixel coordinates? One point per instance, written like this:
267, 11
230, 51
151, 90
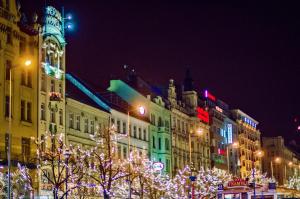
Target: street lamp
199, 132
277, 161
234, 145
258, 153
142, 111
26, 63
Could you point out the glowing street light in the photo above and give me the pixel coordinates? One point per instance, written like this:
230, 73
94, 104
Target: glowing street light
141, 110
26, 63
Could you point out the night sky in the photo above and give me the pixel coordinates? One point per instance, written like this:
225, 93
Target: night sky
246, 54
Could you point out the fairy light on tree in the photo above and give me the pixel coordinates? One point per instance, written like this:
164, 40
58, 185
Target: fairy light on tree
53, 167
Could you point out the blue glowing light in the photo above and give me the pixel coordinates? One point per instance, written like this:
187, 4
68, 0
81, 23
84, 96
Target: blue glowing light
86, 91
229, 133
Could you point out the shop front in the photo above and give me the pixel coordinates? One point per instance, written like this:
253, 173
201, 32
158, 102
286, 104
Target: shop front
241, 189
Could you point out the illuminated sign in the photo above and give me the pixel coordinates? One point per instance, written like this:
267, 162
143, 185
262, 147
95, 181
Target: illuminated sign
53, 23
249, 121
209, 96
158, 166
221, 152
229, 133
219, 109
202, 114
237, 183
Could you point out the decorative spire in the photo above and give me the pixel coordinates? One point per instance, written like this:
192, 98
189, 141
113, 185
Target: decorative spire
188, 81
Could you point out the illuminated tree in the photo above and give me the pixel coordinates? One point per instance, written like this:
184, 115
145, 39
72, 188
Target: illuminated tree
60, 166
104, 168
2, 184
294, 183
21, 183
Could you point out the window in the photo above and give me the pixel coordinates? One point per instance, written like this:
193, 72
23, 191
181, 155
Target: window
52, 86
25, 149
29, 79
167, 144
43, 112
124, 152
153, 142
145, 135
86, 125
52, 115
43, 82
159, 143
140, 134
22, 110
6, 106
23, 78
61, 120
7, 5
71, 121
134, 131
21, 48
77, 122
92, 127
29, 111
167, 165
124, 127
118, 126
7, 69
43, 144
160, 123
9, 38
119, 151
60, 89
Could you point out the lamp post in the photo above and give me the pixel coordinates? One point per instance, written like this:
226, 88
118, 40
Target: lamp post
258, 154
193, 170
199, 132
141, 110
26, 63
234, 145
277, 161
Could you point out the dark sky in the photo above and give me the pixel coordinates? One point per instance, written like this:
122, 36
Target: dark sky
246, 54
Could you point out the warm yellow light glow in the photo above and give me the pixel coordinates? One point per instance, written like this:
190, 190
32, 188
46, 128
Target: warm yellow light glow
259, 153
277, 160
235, 145
142, 110
27, 62
290, 163
199, 131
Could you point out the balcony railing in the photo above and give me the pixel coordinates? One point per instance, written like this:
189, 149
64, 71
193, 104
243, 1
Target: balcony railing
55, 96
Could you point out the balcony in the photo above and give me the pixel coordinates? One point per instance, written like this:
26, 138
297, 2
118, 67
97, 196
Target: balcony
55, 97
163, 129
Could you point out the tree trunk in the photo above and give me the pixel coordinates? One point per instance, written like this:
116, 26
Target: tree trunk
105, 195
55, 193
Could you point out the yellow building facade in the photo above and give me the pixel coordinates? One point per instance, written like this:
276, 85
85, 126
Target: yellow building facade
17, 44
249, 138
